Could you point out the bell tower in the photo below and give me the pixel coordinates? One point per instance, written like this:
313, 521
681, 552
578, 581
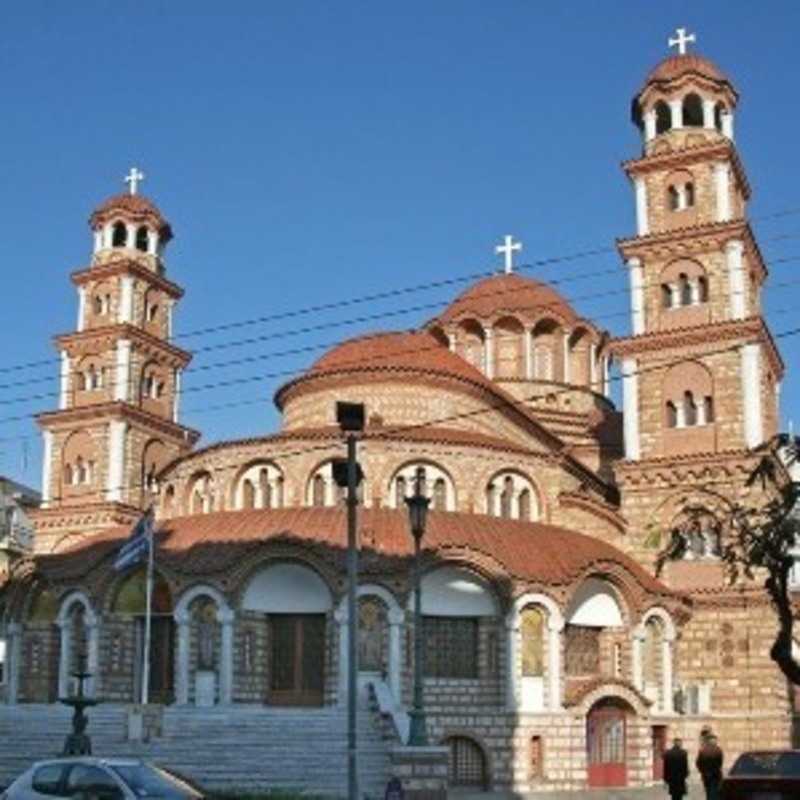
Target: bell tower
700, 369
117, 421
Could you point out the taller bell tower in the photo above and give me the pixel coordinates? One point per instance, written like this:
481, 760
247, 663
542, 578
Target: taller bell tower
117, 421
700, 369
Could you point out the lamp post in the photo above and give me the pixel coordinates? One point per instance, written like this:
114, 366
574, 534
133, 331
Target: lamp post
347, 473
417, 514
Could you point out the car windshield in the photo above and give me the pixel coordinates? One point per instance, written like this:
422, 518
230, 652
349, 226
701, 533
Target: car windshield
147, 781
760, 764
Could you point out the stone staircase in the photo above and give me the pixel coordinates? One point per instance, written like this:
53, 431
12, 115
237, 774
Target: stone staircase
233, 747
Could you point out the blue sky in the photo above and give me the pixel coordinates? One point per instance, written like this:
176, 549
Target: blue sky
307, 152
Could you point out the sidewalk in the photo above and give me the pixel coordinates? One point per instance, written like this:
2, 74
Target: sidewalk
649, 793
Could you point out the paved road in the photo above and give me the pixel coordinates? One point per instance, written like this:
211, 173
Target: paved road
651, 793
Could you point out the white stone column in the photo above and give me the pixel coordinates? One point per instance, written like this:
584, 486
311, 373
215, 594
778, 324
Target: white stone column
93, 655
14, 631
126, 299
680, 415
650, 125
152, 242
630, 405
666, 675
131, 235
176, 400
182, 658
488, 361
606, 377
593, 367
727, 124
636, 281
676, 112
722, 184
733, 255
396, 619
108, 235
708, 114
122, 377
63, 393
528, 334
47, 465
170, 316
64, 657
642, 217
694, 291
555, 682
512, 659
116, 459
751, 394
567, 376
81, 308
98, 240
451, 340
637, 667
340, 615
225, 618
674, 295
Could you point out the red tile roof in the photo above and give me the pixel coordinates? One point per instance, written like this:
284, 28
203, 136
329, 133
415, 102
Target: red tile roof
210, 543
512, 293
675, 66
134, 206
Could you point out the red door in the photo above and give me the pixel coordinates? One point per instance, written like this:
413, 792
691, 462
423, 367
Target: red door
606, 744
659, 740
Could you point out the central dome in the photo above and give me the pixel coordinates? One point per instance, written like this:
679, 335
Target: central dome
512, 293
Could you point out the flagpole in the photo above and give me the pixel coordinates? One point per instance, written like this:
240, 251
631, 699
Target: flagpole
147, 624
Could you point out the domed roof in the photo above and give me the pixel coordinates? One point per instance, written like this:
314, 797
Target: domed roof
508, 292
133, 207
406, 350
675, 66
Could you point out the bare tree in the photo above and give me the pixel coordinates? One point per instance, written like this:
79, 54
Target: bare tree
758, 541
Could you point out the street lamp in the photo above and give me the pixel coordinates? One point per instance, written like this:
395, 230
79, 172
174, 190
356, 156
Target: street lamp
347, 473
417, 515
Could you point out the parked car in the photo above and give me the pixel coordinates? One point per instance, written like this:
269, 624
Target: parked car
86, 778
763, 775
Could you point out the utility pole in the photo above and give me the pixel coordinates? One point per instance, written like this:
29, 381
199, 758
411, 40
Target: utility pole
347, 473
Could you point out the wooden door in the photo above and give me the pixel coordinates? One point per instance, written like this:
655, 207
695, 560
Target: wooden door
659, 742
297, 659
162, 660
606, 744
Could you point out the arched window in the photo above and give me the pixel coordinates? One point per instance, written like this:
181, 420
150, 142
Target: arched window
97, 304
80, 471
439, 495
491, 493
119, 235
692, 111
152, 311
702, 289
80, 381
506, 496
318, 491
688, 193
663, 117
400, 492
79, 642
532, 636
169, 499
666, 296
708, 407
372, 634
685, 289
652, 653
689, 408
141, 239
68, 477
674, 198
197, 501
672, 414
266, 488
525, 505
248, 494
206, 627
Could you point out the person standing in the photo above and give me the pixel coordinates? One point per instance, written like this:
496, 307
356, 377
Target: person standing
676, 770
709, 765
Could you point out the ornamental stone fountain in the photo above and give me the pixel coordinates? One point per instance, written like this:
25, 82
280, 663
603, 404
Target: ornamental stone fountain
78, 742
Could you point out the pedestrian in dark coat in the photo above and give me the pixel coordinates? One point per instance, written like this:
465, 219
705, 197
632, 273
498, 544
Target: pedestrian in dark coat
709, 765
676, 770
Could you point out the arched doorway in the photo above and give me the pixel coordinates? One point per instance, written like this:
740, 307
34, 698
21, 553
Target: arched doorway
131, 602
296, 603
606, 742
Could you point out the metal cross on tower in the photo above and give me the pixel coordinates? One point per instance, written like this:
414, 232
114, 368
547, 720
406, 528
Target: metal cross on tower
507, 250
681, 40
133, 178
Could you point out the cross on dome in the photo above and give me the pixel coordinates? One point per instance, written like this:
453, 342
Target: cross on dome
133, 178
507, 250
681, 40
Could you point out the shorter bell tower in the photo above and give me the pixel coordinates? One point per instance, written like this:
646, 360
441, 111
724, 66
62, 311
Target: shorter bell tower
117, 422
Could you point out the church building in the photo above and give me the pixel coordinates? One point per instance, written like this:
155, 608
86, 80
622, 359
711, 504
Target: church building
554, 656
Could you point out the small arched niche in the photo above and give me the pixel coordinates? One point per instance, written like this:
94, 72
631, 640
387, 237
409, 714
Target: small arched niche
457, 592
287, 588
595, 604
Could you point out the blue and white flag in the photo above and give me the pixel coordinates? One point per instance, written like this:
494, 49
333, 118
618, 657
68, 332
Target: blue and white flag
137, 544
